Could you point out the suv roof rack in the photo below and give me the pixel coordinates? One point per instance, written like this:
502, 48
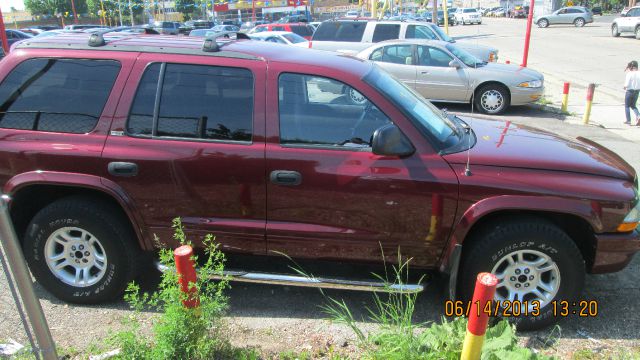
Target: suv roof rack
129, 42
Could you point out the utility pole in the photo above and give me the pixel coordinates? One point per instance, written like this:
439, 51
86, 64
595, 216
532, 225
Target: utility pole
75, 15
435, 12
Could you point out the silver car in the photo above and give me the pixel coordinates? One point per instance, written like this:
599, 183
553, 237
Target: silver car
576, 15
441, 71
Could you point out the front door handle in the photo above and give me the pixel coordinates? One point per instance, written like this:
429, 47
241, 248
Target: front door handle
424, 72
286, 177
125, 169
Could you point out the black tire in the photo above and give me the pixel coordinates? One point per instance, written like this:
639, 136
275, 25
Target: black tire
104, 223
614, 30
579, 22
543, 23
494, 242
485, 106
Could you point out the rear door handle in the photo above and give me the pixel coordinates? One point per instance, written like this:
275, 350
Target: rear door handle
286, 177
125, 169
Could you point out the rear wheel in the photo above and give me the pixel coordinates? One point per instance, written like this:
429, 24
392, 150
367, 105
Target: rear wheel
543, 23
81, 250
579, 22
535, 262
492, 99
614, 30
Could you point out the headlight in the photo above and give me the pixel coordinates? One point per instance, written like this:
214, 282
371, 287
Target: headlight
630, 222
531, 84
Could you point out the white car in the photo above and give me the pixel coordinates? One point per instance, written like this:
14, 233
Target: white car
468, 16
352, 14
628, 22
281, 37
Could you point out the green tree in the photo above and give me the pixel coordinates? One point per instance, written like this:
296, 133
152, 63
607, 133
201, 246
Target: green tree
52, 7
186, 7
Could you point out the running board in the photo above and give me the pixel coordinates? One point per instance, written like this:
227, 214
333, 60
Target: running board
317, 282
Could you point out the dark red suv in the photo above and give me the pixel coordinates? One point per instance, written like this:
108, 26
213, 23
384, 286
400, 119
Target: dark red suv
316, 155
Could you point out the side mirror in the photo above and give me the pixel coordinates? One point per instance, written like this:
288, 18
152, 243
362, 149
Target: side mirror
455, 64
390, 141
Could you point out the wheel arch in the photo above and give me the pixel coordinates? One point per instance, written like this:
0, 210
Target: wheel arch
491, 82
574, 217
29, 194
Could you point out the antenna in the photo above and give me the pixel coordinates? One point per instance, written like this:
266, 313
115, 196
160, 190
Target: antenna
467, 169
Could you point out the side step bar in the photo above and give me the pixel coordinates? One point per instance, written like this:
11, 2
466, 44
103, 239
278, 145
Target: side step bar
302, 281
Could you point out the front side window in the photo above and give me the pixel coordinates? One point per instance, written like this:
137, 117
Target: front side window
429, 56
196, 102
420, 32
319, 111
429, 118
58, 95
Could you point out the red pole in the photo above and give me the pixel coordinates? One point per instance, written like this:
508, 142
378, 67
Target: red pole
3, 35
528, 34
75, 16
478, 317
186, 275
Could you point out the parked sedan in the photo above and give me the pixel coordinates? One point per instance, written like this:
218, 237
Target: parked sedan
14, 36
576, 15
281, 37
443, 72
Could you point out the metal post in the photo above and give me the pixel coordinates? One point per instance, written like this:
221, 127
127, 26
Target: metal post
22, 277
527, 37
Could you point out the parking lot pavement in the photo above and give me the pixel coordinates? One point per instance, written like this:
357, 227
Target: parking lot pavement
566, 53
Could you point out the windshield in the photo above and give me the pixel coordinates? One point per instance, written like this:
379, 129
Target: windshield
294, 38
442, 35
412, 104
464, 56
469, 10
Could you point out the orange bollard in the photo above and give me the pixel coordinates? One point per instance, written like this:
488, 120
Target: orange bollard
186, 275
565, 96
478, 318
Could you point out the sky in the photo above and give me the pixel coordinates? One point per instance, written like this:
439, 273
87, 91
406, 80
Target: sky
7, 4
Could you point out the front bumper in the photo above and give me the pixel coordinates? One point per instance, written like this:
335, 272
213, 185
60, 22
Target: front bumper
614, 251
523, 96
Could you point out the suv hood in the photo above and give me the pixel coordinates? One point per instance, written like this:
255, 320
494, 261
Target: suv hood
505, 144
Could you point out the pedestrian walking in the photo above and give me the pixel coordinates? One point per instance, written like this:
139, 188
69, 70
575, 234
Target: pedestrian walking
632, 88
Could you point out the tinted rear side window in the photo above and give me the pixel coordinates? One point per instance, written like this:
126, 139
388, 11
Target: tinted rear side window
386, 32
58, 95
197, 102
302, 30
340, 31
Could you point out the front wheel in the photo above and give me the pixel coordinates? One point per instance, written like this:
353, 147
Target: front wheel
81, 250
543, 23
492, 99
614, 30
579, 22
638, 32
536, 264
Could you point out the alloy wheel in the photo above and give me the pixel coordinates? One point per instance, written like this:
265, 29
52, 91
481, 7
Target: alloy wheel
75, 256
527, 275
